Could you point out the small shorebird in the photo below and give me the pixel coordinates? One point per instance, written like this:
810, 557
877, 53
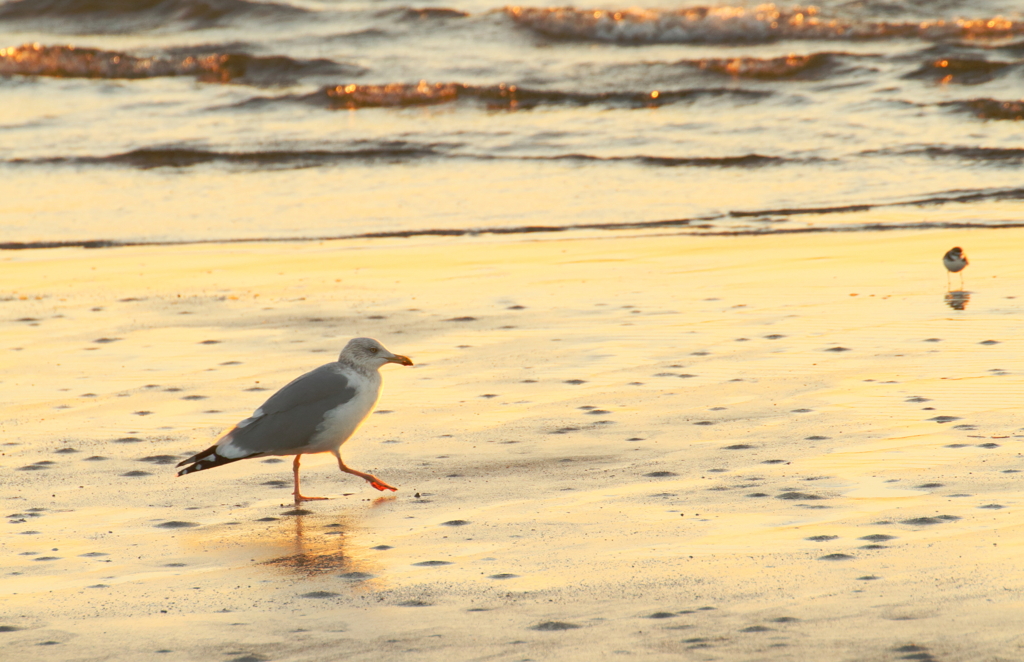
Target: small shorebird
315, 413
955, 260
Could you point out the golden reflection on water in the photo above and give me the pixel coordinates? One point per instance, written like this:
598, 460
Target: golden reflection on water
304, 543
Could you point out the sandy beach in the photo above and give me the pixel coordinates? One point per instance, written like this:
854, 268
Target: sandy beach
655, 447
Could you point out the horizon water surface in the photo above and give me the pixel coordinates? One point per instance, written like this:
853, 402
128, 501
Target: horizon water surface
184, 121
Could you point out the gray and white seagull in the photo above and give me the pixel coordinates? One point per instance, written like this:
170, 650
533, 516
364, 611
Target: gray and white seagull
315, 413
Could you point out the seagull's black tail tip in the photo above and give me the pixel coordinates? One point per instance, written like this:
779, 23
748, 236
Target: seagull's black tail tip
208, 459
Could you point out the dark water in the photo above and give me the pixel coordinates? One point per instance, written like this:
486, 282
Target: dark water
199, 120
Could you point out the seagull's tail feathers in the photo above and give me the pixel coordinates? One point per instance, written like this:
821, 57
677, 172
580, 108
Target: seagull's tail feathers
208, 459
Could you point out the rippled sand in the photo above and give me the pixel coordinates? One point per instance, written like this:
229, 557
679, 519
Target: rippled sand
784, 448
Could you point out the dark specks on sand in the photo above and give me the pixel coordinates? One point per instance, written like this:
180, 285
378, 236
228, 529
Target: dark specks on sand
159, 459
877, 537
356, 576
944, 419
455, 522
136, 474
554, 626
799, 496
737, 447
574, 382
926, 521
821, 538
835, 557
503, 575
660, 474
431, 564
320, 595
176, 524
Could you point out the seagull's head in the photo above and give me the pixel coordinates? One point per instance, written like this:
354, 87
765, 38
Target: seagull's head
369, 353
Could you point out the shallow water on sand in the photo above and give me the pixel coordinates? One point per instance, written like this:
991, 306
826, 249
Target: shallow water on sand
663, 445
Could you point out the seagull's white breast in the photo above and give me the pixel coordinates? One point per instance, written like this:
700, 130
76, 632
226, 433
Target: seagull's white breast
341, 422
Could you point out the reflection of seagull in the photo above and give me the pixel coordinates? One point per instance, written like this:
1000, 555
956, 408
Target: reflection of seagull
315, 413
955, 260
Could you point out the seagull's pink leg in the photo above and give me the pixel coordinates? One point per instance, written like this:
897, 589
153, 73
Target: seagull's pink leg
370, 478
298, 495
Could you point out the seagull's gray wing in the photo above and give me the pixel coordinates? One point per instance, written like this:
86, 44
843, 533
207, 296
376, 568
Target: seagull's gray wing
289, 419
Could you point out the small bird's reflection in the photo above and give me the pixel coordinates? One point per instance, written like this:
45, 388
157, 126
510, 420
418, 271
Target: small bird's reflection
957, 299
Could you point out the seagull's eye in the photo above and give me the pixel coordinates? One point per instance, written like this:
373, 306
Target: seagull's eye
373, 350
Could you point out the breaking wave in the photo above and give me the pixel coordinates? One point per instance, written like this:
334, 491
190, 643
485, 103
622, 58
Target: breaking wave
764, 23
115, 16
73, 62
399, 95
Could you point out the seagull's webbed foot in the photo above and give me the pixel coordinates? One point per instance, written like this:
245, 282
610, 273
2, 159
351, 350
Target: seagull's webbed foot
380, 485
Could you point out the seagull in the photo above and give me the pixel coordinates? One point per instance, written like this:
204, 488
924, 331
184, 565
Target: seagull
314, 413
955, 260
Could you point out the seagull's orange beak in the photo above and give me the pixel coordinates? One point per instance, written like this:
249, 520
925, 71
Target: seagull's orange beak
400, 360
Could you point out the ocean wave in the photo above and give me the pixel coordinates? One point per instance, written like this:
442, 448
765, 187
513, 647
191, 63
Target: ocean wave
815, 65
73, 62
183, 157
701, 226
990, 155
990, 109
745, 161
502, 96
116, 16
760, 24
423, 13
935, 200
960, 70
370, 151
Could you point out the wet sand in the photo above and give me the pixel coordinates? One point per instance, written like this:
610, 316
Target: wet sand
658, 447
